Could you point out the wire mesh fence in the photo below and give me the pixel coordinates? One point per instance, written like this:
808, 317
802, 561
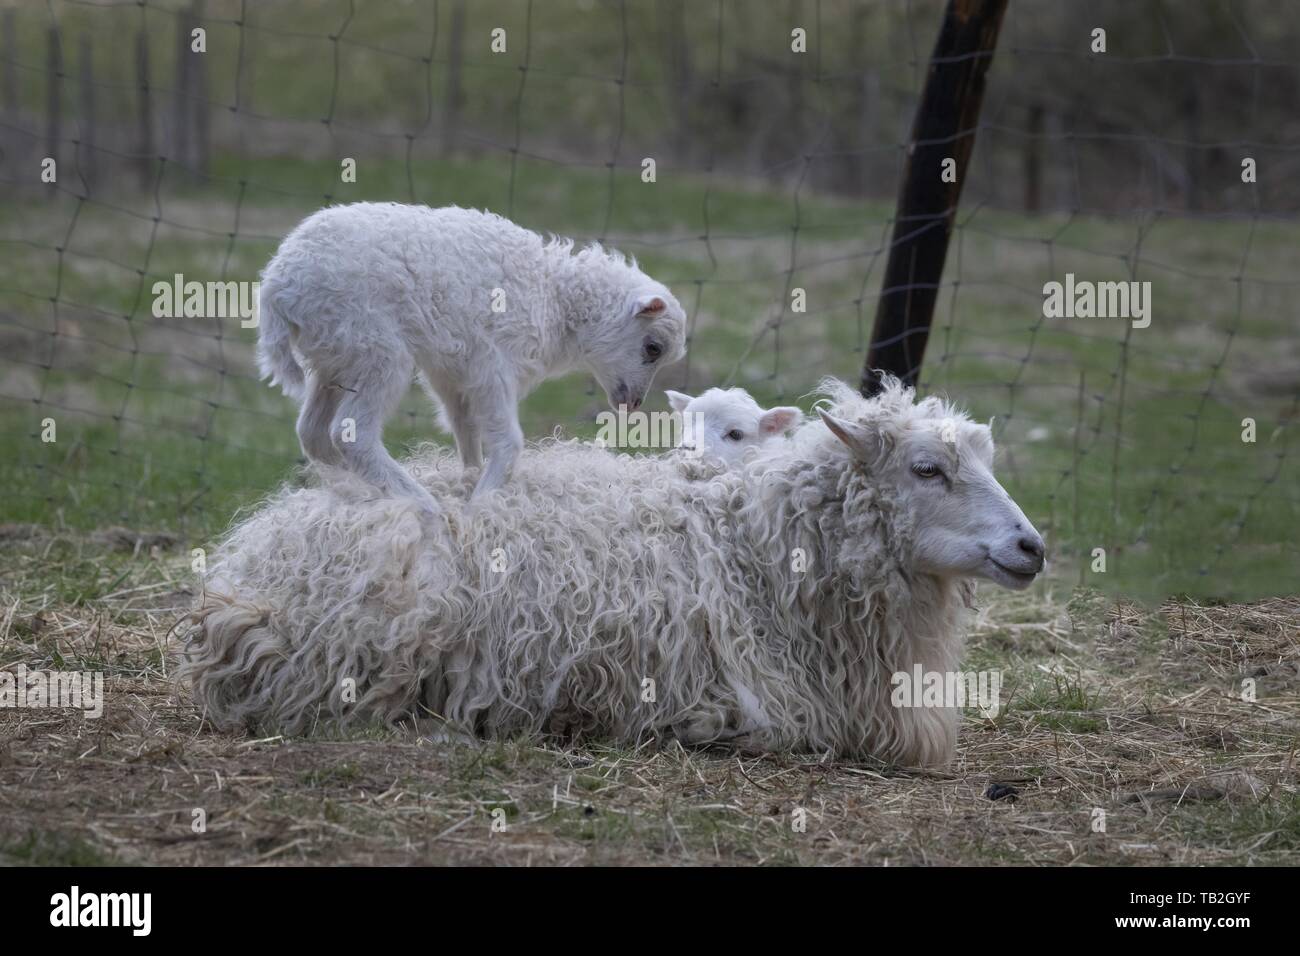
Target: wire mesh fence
748, 155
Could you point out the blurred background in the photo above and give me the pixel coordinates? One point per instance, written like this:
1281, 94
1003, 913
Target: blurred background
774, 171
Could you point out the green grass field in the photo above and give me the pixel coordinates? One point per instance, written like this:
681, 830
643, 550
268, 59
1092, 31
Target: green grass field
1127, 440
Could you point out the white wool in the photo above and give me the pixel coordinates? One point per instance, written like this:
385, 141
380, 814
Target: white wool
359, 297
549, 606
724, 424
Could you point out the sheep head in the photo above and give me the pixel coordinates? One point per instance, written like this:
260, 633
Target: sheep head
628, 325
724, 424
936, 467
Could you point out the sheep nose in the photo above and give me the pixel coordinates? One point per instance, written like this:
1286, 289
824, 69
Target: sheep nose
1032, 546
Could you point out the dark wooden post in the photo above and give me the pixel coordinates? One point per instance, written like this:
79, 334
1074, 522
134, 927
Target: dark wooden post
944, 128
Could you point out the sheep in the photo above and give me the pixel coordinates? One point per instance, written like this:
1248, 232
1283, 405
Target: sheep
360, 296
602, 595
726, 423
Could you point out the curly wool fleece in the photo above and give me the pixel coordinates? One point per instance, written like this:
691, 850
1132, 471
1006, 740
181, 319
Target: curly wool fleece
597, 594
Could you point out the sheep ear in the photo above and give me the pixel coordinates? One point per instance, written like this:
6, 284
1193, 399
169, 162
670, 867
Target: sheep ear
861, 442
774, 421
649, 306
678, 400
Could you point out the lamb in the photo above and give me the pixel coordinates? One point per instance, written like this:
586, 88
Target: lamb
358, 297
602, 595
724, 424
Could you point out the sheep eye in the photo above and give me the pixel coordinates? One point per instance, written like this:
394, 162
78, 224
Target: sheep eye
652, 351
925, 469
734, 435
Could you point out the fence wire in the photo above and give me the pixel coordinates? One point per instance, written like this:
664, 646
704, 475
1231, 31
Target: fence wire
1163, 454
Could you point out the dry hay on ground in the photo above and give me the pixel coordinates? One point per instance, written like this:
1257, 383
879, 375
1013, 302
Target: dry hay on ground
1108, 708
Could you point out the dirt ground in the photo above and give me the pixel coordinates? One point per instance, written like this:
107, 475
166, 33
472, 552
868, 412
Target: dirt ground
1123, 738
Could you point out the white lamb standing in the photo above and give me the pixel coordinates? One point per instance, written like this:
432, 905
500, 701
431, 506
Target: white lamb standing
724, 424
772, 605
358, 297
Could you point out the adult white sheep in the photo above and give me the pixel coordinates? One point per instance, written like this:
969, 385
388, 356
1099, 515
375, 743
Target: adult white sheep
358, 297
594, 574
726, 423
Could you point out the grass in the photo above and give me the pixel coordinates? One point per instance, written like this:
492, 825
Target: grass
1111, 711
55, 848
1125, 440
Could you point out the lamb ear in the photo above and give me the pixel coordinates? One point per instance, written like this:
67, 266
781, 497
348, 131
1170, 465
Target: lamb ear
678, 400
774, 421
861, 442
649, 306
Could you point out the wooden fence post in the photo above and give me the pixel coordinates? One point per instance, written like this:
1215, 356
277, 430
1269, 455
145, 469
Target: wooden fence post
944, 128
